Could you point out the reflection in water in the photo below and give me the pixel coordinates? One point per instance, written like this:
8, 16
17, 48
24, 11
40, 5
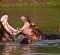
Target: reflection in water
8, 50
15, 50
1, 49
52, 48
26, 49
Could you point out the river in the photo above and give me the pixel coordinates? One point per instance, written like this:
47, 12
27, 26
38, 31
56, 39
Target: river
46, 19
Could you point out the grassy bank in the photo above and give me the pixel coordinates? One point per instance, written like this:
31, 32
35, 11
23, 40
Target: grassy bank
30, 5
19, 6
53, 3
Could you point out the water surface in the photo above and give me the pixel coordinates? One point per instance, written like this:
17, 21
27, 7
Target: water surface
42, 47
46, 19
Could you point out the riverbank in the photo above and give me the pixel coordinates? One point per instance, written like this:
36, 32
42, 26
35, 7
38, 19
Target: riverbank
30, 5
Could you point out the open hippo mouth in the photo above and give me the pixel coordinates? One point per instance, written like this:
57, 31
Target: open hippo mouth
9, 30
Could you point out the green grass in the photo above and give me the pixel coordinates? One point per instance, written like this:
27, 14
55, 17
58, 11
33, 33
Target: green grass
53, 3
32, 5
19, 6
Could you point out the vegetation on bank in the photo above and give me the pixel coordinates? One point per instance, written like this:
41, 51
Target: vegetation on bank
53, 4
22, 5
30, 5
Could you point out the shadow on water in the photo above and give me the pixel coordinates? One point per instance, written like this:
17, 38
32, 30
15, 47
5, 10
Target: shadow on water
41, 47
